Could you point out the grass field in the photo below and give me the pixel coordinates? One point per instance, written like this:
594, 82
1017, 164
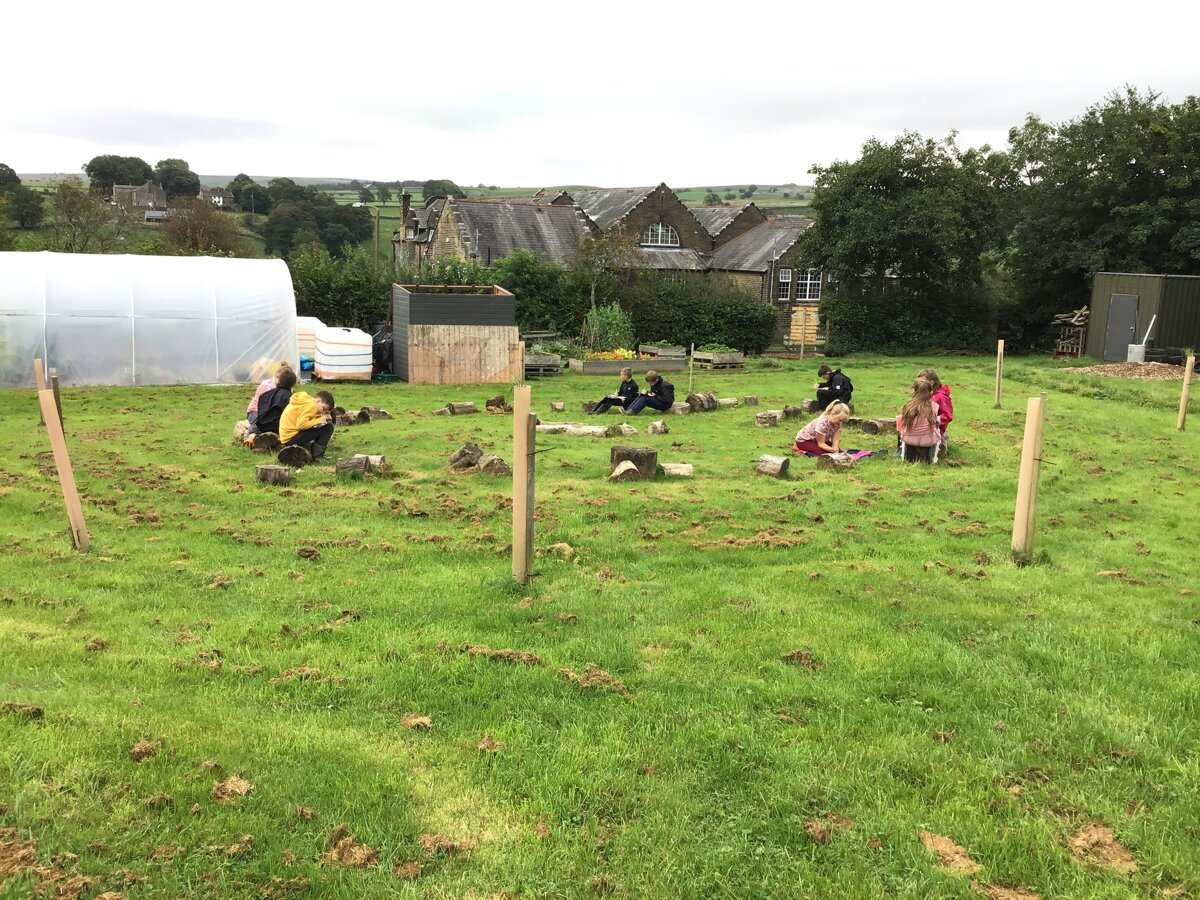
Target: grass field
262, 652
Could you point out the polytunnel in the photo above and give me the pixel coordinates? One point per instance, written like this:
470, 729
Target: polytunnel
128, 320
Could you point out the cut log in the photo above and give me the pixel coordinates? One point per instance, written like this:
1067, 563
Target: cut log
679, 409
557, 406
626, 471
809, 406
280, 475
775, 466
626, 429
727, 402
497, 405
240, 430
879, 426
705, 401
491, 464
644, 458
578, 430
853, 422
344, 419
466, 456
357, 465
792, 412
444, 411
377, 413
750, 400
461, 409
339, 410
267, 442
769, 418
589, 405
373, 462
838, 462
362, 417
677, 470
659, 427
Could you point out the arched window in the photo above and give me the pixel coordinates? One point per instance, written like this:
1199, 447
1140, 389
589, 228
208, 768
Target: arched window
660, 235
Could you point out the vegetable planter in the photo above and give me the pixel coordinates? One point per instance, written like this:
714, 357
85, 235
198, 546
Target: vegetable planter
708, 359
673, 351
614, 366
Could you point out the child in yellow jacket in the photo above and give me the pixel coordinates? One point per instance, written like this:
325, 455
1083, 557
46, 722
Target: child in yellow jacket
306, 427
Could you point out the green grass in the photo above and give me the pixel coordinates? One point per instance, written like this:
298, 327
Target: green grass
699, 781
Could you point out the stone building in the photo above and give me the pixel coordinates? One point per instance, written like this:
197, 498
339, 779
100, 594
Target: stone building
724, 223
144, 196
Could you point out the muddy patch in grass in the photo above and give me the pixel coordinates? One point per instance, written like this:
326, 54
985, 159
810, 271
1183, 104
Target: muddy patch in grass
508, 655
1096, 844
344, 849
804, 658
231, 789
22, 710
950, 856
1000, 892
143, 749
436, 843
595, 677
300, 673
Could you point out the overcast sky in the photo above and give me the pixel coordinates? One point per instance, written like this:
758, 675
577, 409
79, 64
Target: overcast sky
624, 92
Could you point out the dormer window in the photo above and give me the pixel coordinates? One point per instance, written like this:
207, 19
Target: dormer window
660, 235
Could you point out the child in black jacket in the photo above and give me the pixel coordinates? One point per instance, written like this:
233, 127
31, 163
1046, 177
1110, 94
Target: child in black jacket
836, 389
627, 390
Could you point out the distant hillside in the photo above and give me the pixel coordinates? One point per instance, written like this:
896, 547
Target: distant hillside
211, 181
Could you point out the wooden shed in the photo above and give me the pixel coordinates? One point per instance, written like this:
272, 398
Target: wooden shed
1123, 305
455, 334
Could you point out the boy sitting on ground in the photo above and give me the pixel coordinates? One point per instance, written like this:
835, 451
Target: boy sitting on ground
264, 430
306, 428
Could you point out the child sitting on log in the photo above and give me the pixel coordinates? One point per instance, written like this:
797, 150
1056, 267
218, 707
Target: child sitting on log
306, 428
626, 391
822, 434
836, 389
941, 396
917, 425
268, 384
659, 395
271, 404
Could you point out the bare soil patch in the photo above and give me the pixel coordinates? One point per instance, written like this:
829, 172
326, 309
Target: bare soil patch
436, 843
595, 677
951, 857
344, 849
519, 656
804, 658
1000, 892
143, 749
23, 710
1095, 843
231, 789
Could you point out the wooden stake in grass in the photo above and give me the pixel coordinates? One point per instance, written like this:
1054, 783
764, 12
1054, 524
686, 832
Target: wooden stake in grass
999, 369
1188, 371
66, 477
1025, 518
691, 366
524, 441
40, 378
57, 396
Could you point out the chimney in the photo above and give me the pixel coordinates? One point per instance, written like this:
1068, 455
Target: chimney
405, 205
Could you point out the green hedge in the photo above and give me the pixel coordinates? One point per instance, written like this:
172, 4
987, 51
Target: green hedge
690, 308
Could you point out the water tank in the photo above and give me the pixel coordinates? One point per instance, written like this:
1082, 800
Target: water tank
343, 354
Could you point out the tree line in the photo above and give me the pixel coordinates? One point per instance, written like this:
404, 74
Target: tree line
927, 245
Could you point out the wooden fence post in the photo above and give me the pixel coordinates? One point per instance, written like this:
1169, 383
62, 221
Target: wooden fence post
66, 477
1025, 518
40, 378
1188, 371
803, 329
999, 370
524, 439
57, 396
691, 366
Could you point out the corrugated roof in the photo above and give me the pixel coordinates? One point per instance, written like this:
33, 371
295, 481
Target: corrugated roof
715, 219
494, 229
604, 206
675, 258
755, 250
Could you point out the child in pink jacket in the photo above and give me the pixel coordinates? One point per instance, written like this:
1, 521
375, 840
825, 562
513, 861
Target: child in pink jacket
941, 396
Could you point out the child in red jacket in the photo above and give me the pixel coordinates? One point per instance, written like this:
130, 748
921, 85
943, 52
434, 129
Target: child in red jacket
941, 396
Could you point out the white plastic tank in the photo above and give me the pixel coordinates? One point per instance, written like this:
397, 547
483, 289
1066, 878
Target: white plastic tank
1136, 353
343, 354
306, 334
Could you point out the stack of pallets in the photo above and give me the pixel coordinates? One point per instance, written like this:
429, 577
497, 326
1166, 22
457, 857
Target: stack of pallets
1072, 334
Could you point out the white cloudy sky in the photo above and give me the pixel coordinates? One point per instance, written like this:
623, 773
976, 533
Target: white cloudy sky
536, 93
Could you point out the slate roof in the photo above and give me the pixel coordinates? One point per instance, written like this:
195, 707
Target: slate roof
675, 258
604, 206
493, 229
715, 219
757, 248
427, 216
548, 198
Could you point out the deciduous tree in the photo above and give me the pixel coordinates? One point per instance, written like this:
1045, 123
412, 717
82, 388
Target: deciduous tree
81, 222
26, 207
384, 195
598, 260
177, 178
105, 171
198, 228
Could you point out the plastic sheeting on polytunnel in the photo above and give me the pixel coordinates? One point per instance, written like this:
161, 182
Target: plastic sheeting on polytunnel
126, 320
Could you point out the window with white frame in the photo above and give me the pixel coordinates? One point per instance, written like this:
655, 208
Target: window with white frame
783, 287
808, 285
660, 234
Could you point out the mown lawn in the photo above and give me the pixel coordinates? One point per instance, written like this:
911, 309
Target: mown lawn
281, 638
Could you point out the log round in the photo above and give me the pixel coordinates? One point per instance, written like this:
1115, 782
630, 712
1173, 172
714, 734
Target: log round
357, 465
577, 429
659, 427
879, 426
267, 442
750, 400
625, 471
589, 405
769, 418
240, 430
466, 456
680, 409
557, 406
644, 458
459, 409
280, 475
677, 470
377, 413
837, 462
491, 464
724, 402
775, 466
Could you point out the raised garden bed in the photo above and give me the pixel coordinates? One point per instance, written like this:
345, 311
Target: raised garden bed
543, 364
614, 366
708, 359
673, 351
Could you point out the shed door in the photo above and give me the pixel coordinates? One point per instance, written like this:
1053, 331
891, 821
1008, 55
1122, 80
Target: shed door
1122, 326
